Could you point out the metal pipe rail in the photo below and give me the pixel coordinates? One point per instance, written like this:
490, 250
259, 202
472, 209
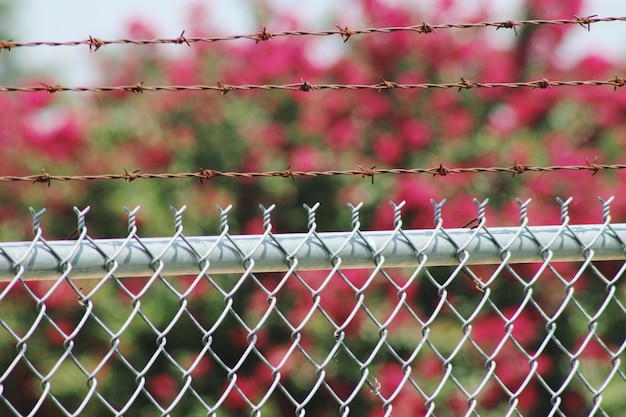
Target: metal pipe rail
269, 252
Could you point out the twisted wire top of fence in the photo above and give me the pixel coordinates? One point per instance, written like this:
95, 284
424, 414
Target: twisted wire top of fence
344, 32
269, 252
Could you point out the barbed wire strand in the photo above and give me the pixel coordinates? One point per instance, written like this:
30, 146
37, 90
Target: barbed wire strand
207, 174
344, 32
305, 86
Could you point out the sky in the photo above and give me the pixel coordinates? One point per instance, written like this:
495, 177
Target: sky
65, 20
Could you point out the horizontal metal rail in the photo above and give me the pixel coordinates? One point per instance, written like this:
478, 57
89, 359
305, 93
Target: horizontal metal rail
276, 252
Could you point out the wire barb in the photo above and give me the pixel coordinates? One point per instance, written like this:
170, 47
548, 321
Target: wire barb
95, 44
181, 39
441, 171
386, 85
425, 28
518, 169
543, 84
6, 45
368, 172
264, 35
618, 82
586, 22
44, 177
52, 88
593, 167
130, 176
509, 24
467, 84
345, 33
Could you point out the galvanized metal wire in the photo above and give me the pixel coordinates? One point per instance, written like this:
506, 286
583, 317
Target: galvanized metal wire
511, 319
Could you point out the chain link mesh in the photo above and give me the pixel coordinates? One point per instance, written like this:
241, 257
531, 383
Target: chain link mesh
469, 325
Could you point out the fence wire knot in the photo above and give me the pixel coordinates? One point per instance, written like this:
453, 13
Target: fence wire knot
305, 86
345, 33
137, 88
368, 172
543, 84
181, 39
287, 173
224, 88
509, 24
518, 168
386, 85
6, 45
44, 177
207, 174
441, 171
585, 22
130, 176
618, 82
52, 88
425, 28
264, 35
95, 44
593, 167
467, 84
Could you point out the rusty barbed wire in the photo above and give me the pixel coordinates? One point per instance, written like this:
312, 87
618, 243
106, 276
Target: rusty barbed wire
305, 86
344, 32
207, 174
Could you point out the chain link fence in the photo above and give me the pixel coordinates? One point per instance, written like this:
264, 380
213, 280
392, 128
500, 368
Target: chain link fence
478, 321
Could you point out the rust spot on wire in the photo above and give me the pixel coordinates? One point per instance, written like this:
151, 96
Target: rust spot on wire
264, 35
425, 28
130, 176
224, 88
441, 171
95, 44
6, 45
509, 24
368, 172
345, 33
467, 84
52, 88
181, 39
586, 22
593, 167
386, 85
518, 169
44, 177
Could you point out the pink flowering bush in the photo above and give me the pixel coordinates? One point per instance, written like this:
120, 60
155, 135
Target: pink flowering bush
315, 131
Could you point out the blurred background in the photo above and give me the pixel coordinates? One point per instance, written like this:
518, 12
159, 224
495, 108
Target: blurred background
97, 133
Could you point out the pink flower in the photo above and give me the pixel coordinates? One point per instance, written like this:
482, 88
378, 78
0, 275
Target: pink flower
388, 149
61, 139
416, 134
163, 386
305, 158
